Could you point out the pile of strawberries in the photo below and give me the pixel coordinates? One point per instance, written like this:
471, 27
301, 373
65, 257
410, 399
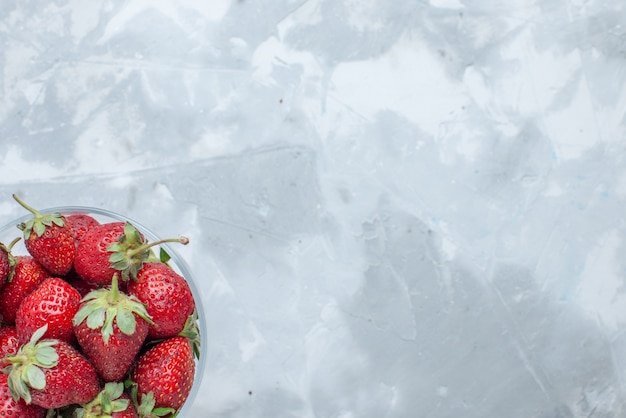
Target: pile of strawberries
92, 322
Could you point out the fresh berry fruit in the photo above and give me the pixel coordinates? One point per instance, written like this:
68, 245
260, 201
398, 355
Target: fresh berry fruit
51, 373
54, 303
9, 343
28, 275
111, 327
80, 224
167, 370
9, 407
49, 240
92, 254
7, 262
61, 348
111, 402
112, 248
167, 297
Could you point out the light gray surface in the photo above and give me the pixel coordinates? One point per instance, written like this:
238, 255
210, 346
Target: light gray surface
396, 208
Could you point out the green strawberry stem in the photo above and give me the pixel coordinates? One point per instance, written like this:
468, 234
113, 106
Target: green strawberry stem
39, 222
148, 245
27, 207
114, 294
131, 250
9, 247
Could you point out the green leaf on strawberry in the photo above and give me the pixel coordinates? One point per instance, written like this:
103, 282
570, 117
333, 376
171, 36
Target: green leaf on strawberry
40, 221
102, 307
131, 250
110, 400
164, 257
147, 408
25, 366
126, 321
129, 253
192, 333
35, 377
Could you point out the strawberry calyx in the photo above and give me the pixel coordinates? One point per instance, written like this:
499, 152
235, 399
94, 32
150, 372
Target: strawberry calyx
192, 333
25, 366
105, 403
132, 250
102, 307
39, 222
147, 408
123, 257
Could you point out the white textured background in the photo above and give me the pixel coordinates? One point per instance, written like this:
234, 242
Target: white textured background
397, 208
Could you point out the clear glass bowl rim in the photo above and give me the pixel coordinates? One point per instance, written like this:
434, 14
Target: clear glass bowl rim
178, 262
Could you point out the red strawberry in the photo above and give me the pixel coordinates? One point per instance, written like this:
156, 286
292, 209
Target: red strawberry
167, 371
92, 261
9, 407
9, 343
7, 262
114, 247
167, 297
27, 276
111, 327
110, 402
80, 223
49, 240
55, 303
51, 373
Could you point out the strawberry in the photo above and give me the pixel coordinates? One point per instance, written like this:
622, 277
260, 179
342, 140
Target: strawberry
166, 370
55, 303
9, 407
167, 297
9, 343
115, 247
51, 373
80, 223
111, 327
49, 240
28, 274
7, 262
111, 402
92, 254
